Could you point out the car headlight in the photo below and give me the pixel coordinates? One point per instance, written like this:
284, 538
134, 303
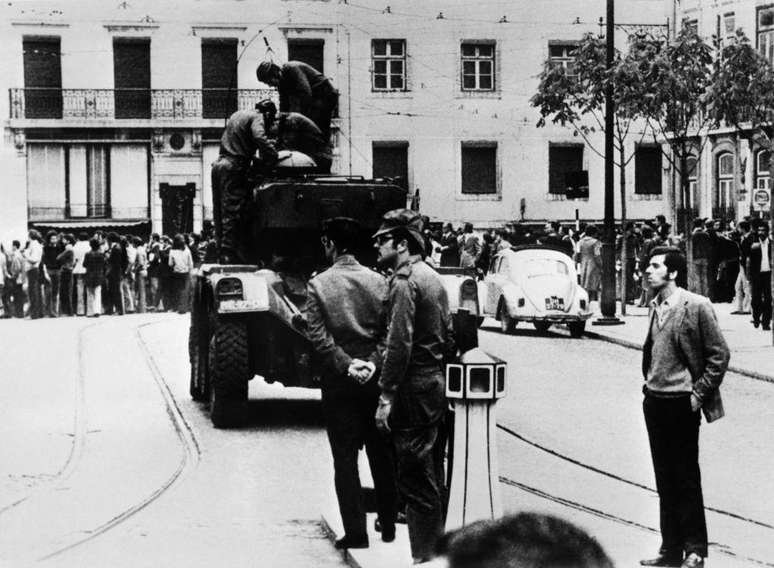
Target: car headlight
230, 289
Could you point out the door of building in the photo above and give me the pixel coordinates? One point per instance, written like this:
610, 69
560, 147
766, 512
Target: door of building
177, 208
309, 51
390, 160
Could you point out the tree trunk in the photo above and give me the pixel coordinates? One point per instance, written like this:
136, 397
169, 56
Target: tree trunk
686, 221
624, 240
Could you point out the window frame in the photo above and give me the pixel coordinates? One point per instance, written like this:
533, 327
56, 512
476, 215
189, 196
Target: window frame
477, 60
476, 144
389, 58
693, 181
762, 175
724, 182
566, 60
650, 147
767, 50
556, 145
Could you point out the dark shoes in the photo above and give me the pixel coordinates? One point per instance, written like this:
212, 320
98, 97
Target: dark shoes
387, 530
347, 542
664, 560
693, 560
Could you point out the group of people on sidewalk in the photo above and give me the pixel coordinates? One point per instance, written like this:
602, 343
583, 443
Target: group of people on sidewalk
104, 273
383, 345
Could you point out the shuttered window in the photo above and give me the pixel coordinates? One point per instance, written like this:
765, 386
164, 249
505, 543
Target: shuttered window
647, 170
309, 51
479, 168
131, 71
561, 161
42, 77
219, 77
390, 160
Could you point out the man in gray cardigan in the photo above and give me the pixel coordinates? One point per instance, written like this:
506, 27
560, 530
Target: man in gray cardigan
684, 359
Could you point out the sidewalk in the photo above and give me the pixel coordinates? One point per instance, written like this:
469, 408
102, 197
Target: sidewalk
752, 353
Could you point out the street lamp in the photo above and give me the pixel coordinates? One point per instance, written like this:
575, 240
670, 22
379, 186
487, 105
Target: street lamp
607, 303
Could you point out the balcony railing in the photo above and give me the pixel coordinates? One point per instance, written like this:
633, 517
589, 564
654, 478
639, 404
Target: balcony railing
118, 104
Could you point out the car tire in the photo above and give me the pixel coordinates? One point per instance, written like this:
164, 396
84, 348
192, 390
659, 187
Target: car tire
229, 375
507, 323
577, 328
541, 326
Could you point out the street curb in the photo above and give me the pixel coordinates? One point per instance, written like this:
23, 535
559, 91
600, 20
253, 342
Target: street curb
330, 533
632, 345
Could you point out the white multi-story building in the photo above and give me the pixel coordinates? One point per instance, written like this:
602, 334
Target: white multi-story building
728, 170
115, 109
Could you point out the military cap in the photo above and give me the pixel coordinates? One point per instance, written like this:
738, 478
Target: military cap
400, 218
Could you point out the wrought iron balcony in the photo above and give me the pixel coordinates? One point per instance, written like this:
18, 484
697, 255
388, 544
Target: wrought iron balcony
119, 104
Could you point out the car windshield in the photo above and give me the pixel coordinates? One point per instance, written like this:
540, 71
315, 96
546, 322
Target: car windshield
544, 267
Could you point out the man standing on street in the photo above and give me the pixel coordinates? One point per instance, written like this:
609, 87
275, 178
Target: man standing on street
759, 268
33, 255
413, 403
684, 359
345, 314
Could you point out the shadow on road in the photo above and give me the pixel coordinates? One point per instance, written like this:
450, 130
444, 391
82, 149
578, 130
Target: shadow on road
271, 413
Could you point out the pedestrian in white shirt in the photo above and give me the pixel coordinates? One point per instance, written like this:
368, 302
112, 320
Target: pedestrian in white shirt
181, 262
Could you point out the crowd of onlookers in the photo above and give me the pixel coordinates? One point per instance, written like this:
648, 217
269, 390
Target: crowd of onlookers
731, 262
102, 273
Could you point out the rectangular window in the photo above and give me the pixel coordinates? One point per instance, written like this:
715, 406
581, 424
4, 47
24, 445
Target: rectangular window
388, 65
647, 170
561, 53
46, 188
309, 51
97, 184
765, 32
390, 160
42, 77
219, 77
131, 72
563, 160
478, 66
479, 168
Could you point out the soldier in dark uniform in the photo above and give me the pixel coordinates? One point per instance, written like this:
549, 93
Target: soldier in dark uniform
243, 136
294, 131
413, 403
302, 89
345, 316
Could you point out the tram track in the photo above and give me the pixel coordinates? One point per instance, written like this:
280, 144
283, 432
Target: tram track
78, 436
189, 457
716, 547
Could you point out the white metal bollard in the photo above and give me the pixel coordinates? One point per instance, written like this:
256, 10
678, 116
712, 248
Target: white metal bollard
474, 385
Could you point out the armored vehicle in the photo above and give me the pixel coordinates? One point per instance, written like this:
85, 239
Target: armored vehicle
247, 320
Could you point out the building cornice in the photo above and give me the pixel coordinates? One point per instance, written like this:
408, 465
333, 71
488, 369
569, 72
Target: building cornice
23, 24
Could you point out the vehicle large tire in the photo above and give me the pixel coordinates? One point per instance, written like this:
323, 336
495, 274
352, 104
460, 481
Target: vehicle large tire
577, 328
507, 323
198, 353
541, 326
229, 374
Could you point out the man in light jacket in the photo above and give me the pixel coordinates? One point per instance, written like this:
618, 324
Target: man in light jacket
684, 360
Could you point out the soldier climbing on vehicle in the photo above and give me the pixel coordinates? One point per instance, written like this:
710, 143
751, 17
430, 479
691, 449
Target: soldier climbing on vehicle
297, 133
233, 179
302, 89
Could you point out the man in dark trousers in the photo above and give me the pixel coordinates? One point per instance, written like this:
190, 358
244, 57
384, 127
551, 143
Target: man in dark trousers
759, 263
413, 402
684, 360
302, 89
345, 315
116, 266
244, 135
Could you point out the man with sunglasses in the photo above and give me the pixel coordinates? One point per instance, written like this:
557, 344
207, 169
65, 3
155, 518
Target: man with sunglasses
413, 403
345, 317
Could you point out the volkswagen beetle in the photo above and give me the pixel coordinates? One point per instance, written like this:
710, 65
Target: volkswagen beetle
534, 283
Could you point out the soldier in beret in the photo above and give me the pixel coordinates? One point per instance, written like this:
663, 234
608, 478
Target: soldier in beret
345, 315
412, 402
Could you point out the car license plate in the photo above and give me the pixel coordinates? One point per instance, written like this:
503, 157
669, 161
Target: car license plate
554, 303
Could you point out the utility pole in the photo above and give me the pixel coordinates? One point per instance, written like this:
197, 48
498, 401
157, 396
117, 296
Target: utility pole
607, 303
